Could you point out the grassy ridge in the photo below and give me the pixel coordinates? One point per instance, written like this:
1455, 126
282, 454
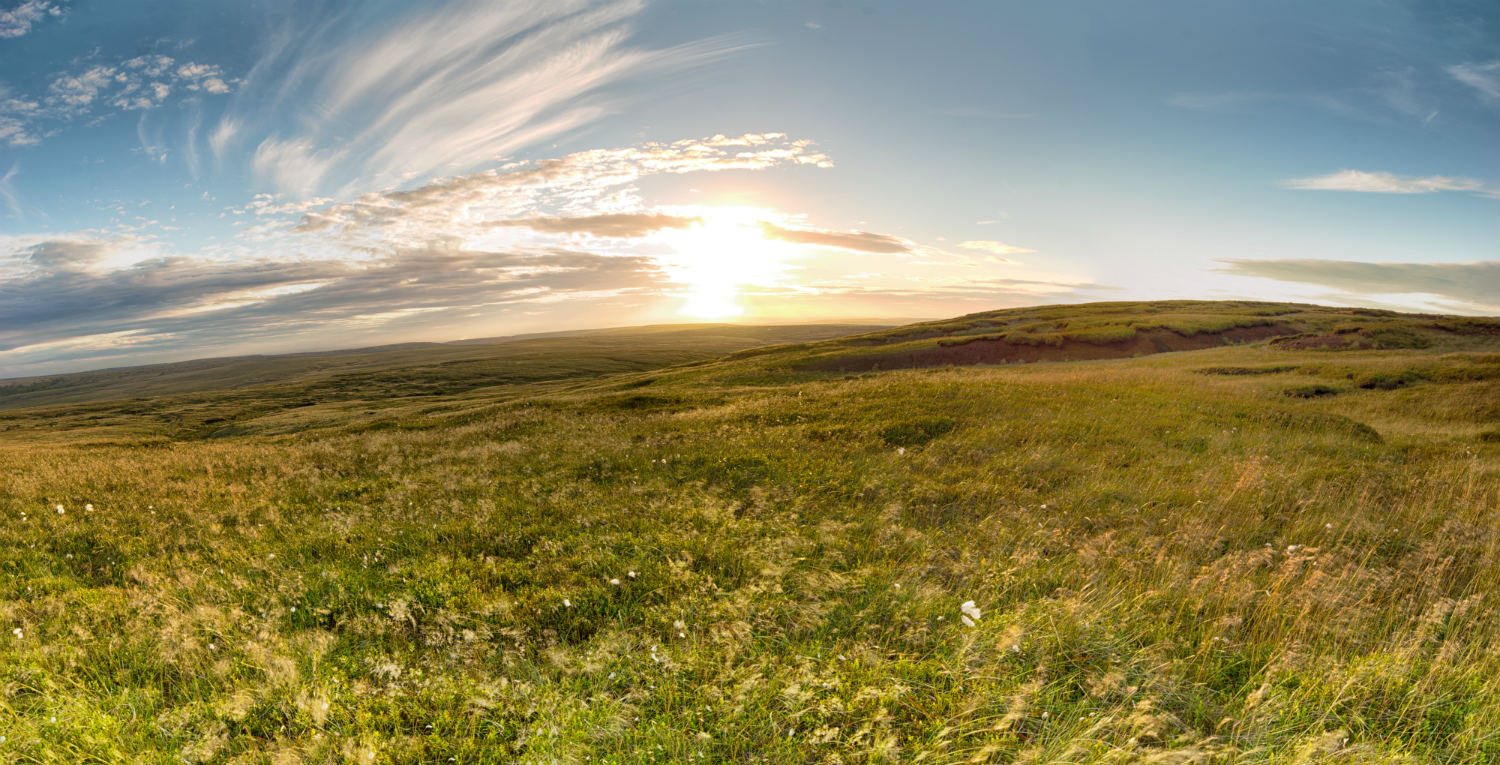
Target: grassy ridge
1175, 560
1124, 329
419, 368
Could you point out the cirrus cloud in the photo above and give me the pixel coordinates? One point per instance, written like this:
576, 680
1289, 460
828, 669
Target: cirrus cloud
1472, 284
1385, 183
617, 225
336, 109
1483, 78
859, 241
994, 248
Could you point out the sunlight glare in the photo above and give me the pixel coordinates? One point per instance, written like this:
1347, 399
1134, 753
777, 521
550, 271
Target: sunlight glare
715, 259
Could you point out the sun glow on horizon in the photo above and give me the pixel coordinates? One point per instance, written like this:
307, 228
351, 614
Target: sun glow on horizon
724, 253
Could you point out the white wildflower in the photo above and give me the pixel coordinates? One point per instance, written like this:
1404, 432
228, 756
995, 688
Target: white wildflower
614, 582
969, 610
630, 574
18, 633
567, 603
60, 510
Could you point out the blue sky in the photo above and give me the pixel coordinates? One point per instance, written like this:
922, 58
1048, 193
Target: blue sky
188, 179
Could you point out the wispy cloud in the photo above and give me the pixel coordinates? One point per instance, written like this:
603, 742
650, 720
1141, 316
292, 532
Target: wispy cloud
617, 225
439, 91
1483, 78
1385, 183
858, 241
1472, 284
56, 291
20, 19
1389, 95
8, 191
994, 248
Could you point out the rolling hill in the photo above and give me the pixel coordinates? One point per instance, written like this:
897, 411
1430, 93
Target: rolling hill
437, 365
1180, 532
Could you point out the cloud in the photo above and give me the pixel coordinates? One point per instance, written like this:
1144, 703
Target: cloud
16, 132
222, 135
994, 248
1384, 183
294, 165
1483, 78
429, 261
859, 241
1470, 283
63, 255
74, 92
620, 225
19, 20
597, 182
8, 191
53, 294
1397, 95
137, 84
442, 89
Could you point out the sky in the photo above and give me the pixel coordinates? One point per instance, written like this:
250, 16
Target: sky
181, 179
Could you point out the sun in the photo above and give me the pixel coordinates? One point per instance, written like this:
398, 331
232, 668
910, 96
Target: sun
720, 256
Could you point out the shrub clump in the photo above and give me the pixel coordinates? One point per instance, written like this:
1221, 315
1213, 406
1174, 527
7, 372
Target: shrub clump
1315, 390
916, 432
1239, 371
1387, 381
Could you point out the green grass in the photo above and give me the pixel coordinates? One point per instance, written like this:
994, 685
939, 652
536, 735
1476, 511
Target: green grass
736, 561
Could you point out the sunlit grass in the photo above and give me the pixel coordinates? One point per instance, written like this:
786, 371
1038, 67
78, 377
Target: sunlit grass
691, 565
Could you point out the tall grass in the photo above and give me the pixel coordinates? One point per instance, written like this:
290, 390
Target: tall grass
1170, 566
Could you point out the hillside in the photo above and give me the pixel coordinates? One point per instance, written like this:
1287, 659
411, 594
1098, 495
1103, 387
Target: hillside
440, 366
1279, 544
1125, 330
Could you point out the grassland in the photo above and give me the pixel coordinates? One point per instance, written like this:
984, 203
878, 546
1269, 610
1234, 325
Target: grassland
417, 368
1267, 551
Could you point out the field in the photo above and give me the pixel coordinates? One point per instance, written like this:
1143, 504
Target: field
1280, 544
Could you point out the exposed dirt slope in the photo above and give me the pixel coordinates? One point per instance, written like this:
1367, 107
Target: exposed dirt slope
987, 351
1125, 329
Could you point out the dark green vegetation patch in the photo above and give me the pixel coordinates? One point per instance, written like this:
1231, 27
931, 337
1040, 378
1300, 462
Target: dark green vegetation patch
916, 432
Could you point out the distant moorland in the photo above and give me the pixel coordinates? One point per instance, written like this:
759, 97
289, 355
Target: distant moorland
1176, 532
